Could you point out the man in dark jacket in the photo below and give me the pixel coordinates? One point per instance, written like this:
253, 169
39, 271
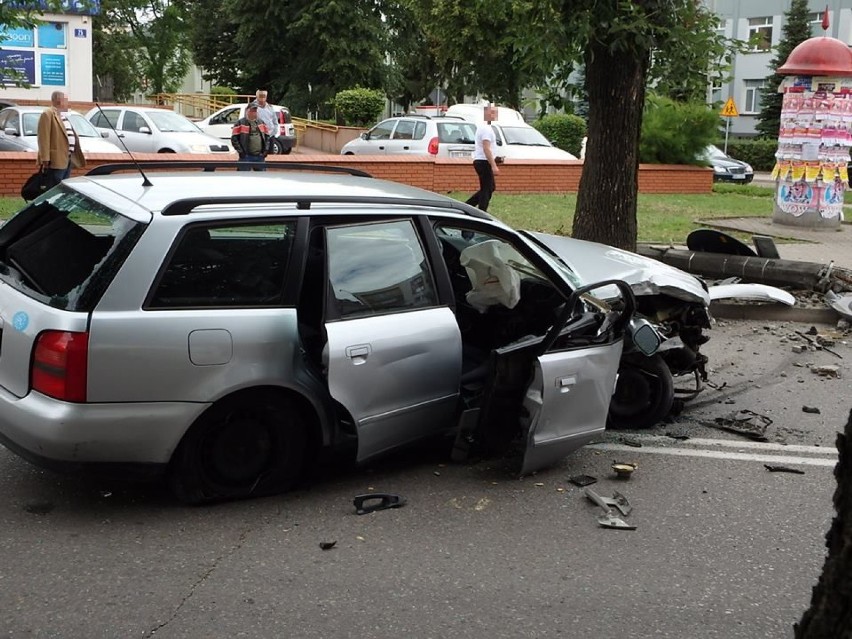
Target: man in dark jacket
250, 138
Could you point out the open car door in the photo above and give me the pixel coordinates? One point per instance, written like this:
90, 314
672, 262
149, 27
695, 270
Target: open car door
558, 386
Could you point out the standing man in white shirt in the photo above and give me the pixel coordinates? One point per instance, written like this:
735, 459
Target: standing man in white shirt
267, 115
485, 160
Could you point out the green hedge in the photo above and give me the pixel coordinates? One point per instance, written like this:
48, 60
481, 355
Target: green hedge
359, 106
676, 132
759, 153
565, 131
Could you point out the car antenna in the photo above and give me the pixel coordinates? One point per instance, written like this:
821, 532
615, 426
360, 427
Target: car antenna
145, 180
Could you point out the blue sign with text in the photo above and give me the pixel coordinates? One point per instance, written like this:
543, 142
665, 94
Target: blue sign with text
53, 69
19, 37
17, 66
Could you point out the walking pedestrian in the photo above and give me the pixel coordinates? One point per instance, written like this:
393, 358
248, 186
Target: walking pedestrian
58, 143
266, 114
251, 140
485, 160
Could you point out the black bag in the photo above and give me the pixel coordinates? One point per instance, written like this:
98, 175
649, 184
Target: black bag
35, 185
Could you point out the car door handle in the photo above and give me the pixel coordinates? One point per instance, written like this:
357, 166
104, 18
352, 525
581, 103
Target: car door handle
358, 353
381, 148
405, 148
564, 384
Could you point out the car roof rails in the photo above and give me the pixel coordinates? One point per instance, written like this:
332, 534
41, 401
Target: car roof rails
415, 115
212, 165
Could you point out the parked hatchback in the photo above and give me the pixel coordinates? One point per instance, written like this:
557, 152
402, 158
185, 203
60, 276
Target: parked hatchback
19, 131
447, 137
226, 329
152, 130
220, 124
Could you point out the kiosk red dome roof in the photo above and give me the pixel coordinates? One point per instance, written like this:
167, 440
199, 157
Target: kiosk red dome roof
819, 56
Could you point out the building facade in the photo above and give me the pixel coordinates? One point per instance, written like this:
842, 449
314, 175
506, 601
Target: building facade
762, 21
56, 55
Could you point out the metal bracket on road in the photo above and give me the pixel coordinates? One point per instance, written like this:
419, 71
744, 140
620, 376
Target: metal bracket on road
382, 501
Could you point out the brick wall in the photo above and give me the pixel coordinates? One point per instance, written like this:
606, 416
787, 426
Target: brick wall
439, 175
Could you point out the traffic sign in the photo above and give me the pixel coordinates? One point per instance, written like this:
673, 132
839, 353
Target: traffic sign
730, 109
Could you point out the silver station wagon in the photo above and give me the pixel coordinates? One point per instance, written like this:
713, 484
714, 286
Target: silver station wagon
225, 329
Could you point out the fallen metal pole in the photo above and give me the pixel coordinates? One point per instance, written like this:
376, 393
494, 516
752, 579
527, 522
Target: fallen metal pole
761, 270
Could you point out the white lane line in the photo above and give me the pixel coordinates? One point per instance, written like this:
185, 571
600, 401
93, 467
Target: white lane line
716, 454
733, 443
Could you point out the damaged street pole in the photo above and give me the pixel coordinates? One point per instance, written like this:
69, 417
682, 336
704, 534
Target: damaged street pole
772, 271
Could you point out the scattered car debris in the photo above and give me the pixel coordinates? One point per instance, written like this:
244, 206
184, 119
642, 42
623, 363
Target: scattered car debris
840, 303
811, 409
327, 545
679, 436
827, 370
783, 469
751, 292
582, 480
619, 502
630, 441
819, 343
364, 503
608, 519
623, 470
744, 422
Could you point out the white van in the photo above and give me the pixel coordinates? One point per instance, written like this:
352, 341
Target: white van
516, 140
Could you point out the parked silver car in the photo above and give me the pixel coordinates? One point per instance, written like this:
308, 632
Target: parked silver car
226, 328
152, 130
416, 135
19, 131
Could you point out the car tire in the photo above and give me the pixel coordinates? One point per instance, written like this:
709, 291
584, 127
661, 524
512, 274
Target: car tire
247, 445
643, 395
275, 147
165, 151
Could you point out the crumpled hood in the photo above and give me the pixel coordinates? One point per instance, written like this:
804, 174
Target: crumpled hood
593, 262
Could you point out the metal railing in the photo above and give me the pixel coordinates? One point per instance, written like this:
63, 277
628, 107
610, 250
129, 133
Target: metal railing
198, 105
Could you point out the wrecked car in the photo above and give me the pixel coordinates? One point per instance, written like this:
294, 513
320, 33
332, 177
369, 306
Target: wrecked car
648, 388
226, 330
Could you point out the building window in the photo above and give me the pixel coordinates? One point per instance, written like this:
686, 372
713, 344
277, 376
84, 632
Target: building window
753, 94
816, 25
760, 33
722, 28
715, 93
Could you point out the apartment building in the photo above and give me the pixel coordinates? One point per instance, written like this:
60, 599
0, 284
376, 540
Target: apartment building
763, 21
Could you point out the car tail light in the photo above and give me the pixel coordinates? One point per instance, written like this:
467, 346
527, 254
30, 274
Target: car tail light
60, 363
433, 146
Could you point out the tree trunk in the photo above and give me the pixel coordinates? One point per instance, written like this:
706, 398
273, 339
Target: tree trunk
830, 614
606, 201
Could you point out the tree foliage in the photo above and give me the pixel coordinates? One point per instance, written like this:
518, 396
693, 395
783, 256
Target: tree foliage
796, 29
220, 63
676, 132
142, 44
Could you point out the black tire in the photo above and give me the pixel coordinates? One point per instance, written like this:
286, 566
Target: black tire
275, 147
247, 445
165, 151
643, 395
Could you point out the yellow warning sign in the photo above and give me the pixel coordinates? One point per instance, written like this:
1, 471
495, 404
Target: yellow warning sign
730, 109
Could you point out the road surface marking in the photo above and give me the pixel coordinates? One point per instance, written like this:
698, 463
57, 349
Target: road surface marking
685, 448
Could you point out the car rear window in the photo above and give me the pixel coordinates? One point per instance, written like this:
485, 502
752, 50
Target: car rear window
64, 249
457, 132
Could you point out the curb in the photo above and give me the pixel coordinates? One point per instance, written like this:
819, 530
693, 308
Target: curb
775, 312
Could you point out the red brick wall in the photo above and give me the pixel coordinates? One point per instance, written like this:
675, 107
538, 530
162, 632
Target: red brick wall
439, 175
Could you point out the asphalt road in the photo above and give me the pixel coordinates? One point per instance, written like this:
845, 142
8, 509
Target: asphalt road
723, 547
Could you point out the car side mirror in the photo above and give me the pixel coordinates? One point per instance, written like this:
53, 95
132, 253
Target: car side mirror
104, 134
10, 131
365, 135
645, 337
144, 129
499, 142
